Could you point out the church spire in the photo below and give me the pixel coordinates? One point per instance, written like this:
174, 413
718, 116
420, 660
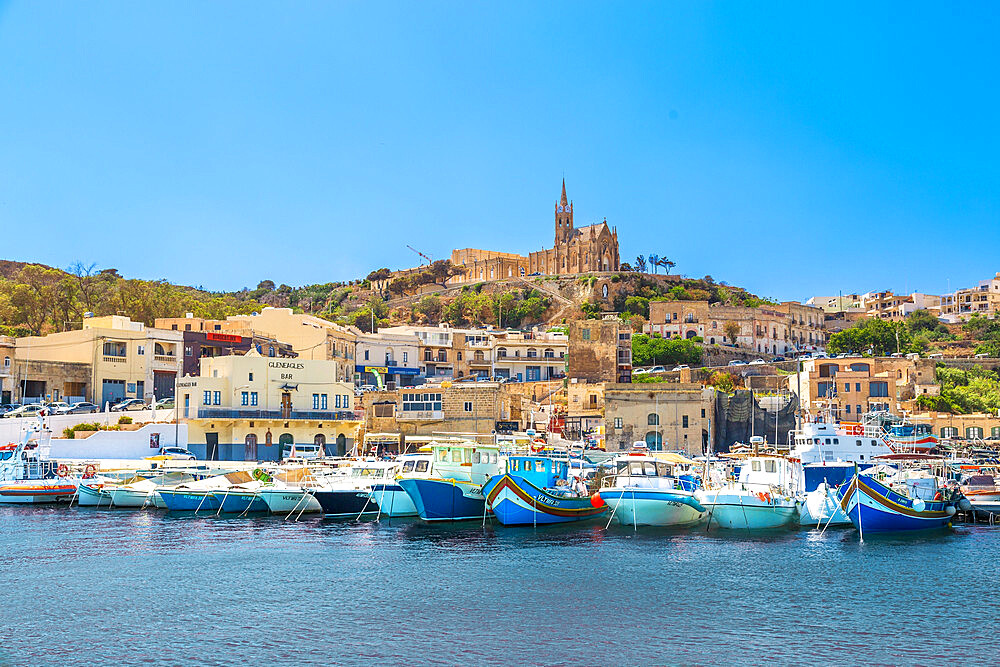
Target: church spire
562, 200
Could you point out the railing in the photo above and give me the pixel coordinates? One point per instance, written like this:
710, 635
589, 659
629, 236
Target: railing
165, 358
114, 360
232, 413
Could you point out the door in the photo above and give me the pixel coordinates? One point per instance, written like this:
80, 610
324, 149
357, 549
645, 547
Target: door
140, 389
341, 445
163, 384
285, 444
112, 391
286, 406
250, 447
212, 446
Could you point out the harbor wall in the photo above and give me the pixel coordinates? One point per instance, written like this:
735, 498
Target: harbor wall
138, 444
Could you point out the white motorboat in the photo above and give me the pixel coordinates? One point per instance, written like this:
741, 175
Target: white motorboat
648, 492
762, 498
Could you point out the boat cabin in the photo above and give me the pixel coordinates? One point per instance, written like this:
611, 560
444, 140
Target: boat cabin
541, 471
769, 471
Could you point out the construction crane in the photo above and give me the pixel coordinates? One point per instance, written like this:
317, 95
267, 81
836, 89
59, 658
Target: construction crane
429, 260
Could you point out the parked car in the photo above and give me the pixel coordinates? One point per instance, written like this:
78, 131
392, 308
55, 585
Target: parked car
777, 359
639, 371
757, 362
129, 404
657, 369
58, 407
83, 408
737, 362
30, 410
681, 367
7, 407
165, 404
177, 454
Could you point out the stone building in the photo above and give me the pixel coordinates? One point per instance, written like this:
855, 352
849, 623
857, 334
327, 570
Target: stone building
600, 350
668, 416
576, 249
482, 265
584, 410
769, 329
463, 407
850, 387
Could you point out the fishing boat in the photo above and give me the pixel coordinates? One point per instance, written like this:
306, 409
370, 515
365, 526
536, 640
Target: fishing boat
762, 498
29, 479
891, 504
535, 489
200, 495
647, 492
442, 487
290, 490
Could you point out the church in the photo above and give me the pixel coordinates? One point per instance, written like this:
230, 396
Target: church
576, 250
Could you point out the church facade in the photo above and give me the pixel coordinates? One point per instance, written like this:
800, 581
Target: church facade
576, 250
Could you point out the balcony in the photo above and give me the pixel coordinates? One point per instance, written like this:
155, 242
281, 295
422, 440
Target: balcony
165, 358
114, 360
315, 415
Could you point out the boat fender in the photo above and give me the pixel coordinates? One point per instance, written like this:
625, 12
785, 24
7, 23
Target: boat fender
89, 471
596, 500
964, 504
62, 470
950, 510
918, 505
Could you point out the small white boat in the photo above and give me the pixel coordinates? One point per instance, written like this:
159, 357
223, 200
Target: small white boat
32, 480
763, 497
820, 508
647, 492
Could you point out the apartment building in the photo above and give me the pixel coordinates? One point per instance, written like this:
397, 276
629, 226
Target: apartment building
394, 356
600, 350
458, 408
529, 356
848, 388
785, 328
110, 359
255, 408
983, 299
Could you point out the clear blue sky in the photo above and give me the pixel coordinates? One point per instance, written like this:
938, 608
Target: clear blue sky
795, 150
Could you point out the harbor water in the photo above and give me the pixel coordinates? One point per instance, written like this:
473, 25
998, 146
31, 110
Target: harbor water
120, 587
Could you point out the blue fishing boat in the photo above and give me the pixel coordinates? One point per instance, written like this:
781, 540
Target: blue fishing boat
239, 501
188, 500
535, 489
874, 507
444, 499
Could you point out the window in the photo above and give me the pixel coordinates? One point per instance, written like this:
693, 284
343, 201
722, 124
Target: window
857, 409
6, 362
217, 397
188, 351
857, 387
253, 398
140, 349
366, 355
114, 349
323, 403
245, 398
618, 422
468, 406
345, 401
585, 334
406, 357
684, 421
825, 389
770, 465
336, 399
652, 419
251, 377
880, 389
208, 398
949, 432
973, 432
421, 402
315, 401
847, 408
847, 386
703, 412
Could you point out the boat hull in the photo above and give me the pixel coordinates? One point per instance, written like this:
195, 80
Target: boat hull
346, 503
31, 492
393, 500
733, 510
189, 501
283, 501
90, 496
821, 508
238, 502
444, 499
516, 501
873, 507
651, 507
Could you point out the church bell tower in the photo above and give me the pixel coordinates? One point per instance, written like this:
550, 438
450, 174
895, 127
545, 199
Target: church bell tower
564, 218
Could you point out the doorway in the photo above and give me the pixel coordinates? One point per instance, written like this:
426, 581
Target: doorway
286, 405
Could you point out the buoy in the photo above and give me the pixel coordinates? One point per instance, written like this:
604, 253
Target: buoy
965, 504
596, 500
919, 505
950, 510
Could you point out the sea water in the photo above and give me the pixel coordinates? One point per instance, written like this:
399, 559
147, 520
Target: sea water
129, 587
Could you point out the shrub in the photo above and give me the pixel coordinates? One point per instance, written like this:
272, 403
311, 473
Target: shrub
124, 419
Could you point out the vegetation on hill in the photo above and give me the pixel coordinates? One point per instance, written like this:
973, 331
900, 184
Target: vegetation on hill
635, 291
656, 350
985, 330
964, 391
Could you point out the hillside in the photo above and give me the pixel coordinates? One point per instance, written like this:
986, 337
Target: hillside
39, 299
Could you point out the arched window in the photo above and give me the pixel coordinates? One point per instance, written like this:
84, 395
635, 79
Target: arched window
653, 419
532, 353
341, 445
479, 356
654, 441
501, 353
549, 353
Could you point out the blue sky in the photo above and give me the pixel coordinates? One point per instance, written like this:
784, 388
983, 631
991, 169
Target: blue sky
791, 148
